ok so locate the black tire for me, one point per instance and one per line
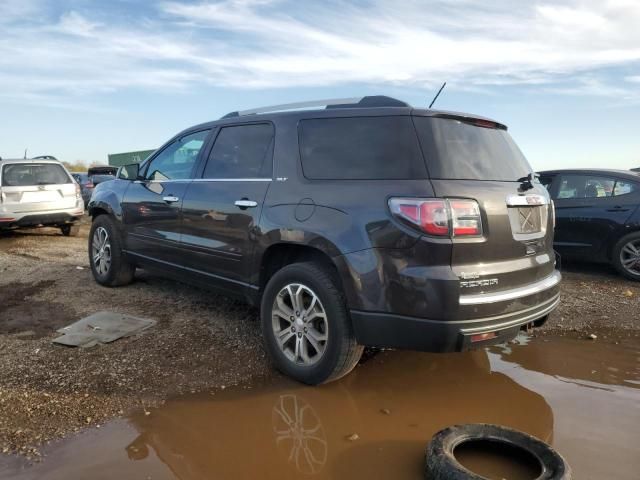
(617, 251)
(70, 230)
(120, 271)
(341, 352)
(441, 464)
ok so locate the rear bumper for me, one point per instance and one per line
(62, 217)
(413, 333)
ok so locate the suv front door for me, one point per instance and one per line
(152, 206)
(221, 209)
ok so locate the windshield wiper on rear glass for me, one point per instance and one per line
(527, 182)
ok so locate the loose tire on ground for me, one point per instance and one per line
(120, 271)
(441, 464)
(630, 241)
(341, 352)
(70, 230)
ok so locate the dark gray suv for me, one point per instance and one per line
(364, 223)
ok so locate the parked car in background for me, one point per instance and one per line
(39, 192)
(341, 229)
(94, 176)
(597, 216)
(86, 185)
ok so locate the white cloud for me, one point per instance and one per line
(267, 43)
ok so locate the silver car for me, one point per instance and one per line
(39, 192)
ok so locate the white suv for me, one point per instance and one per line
(39, 192)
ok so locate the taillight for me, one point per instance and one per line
(89, 185)
(465, 218)
(553, 214)
(78, 192)
(440, 216)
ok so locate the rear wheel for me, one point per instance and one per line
(626, 256)
(70, 230)
(306, 326)
(108, 263)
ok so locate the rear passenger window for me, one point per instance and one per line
(622, 188)
(361, 148)
(585, 186)
(243, 151)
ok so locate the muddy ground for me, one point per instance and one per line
(202, 342)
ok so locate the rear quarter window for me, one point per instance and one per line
(29, 174)
(360, 148)
(462, 151)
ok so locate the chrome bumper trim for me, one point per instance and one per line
(552, 304)
(505, 295)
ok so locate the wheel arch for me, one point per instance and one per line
(280, 254)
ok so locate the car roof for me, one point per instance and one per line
(595, 171)
(366, 107)
(6, 161)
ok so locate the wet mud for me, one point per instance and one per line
(27, 317)
(582, 397)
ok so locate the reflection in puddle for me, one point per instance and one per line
(299, 434)
(582, 397)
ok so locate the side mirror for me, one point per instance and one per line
(129, 172)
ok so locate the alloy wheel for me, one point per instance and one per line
(299, 323)
(101, 251)
(630, 257)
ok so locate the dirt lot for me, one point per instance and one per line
(201, 342)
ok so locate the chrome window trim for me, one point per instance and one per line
(505, 295)
(184, 180)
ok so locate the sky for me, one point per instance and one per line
(80, 79)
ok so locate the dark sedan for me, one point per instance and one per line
(597, 216)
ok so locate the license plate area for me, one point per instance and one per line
(39, 197)
(528, 222)
(528, 219)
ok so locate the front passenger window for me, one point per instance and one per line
(177, 160)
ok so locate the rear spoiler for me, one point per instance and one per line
(478, 122)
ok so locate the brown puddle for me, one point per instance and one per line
(582, 397)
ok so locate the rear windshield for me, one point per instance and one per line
(102, 178)
(360, 148)
(29, 174)
(459, 150)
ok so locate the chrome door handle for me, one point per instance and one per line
(244, 203)
(170, 199)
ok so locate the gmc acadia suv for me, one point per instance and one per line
(366, 222)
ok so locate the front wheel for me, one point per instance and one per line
(306, 327)
(108, 263)
(626, 256)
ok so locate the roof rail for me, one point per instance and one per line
(370, 101)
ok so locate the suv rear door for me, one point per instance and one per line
(222, 207)
(37, 187)
(152, 206)
(477, 159)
